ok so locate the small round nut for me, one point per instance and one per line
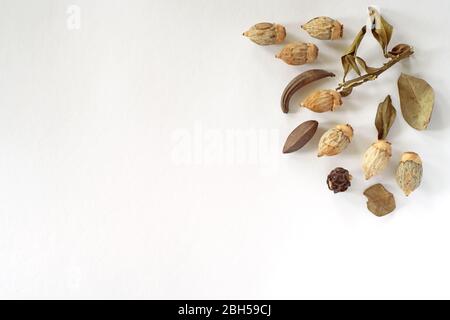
(339, 180)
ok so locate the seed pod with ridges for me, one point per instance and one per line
(266, 33)
(324, 28)
(322, 101)
(335, 140)
(376, 158)
(298, 53)
(409, 172)
(339, 180)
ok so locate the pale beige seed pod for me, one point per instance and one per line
(409, 172)
(298, 53)
(266, 33)
(335, 140)
(324, 28)
(322, 101)
(376, 158)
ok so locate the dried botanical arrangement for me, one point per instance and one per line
(416, 102)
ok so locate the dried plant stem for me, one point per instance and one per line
(346, 87)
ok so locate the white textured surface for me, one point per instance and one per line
(98, 195)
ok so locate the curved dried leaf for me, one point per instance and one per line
(381, 29)
(385, 118)
(416, 101)
(364, 65)
(380, 201)
(349, 58)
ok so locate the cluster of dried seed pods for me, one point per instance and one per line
(416, 99)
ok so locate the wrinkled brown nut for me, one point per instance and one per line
(339, 180)
(266, 33)
(322, 101)
(298, 53)
(324, 28)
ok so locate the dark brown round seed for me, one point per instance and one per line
(339, 180)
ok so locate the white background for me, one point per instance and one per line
(141, 156)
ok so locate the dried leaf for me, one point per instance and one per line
(380, 201)
(400, 49)
(349, 58)
(416, 101)
(385, 118)
(381, 29)
(364, 65)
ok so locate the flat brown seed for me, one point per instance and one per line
(380, 201)
(300, 136)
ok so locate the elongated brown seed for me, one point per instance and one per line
(299, 82)
(300, 136)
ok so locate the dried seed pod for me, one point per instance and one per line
(335, 140)
(300, 136)
(409, 172)
(324, 28)
(339, 180)
(376, 158)
(322, 101)
(266, 33)
(299, 82)
(298, 53)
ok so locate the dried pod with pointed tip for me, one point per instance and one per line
(300, 136)
(376, 158)
(335, 140)
(298, 53)
(322, 101)
(324, 28)
(409, 172)
(266, 33)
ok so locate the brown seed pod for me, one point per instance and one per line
(376, 158)
(266, 33)
(299, 82)
(409, 172)
(322, 101)
(298, 53)
(324, 28)
(335, 140)
(300, 136)
(339, 180)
